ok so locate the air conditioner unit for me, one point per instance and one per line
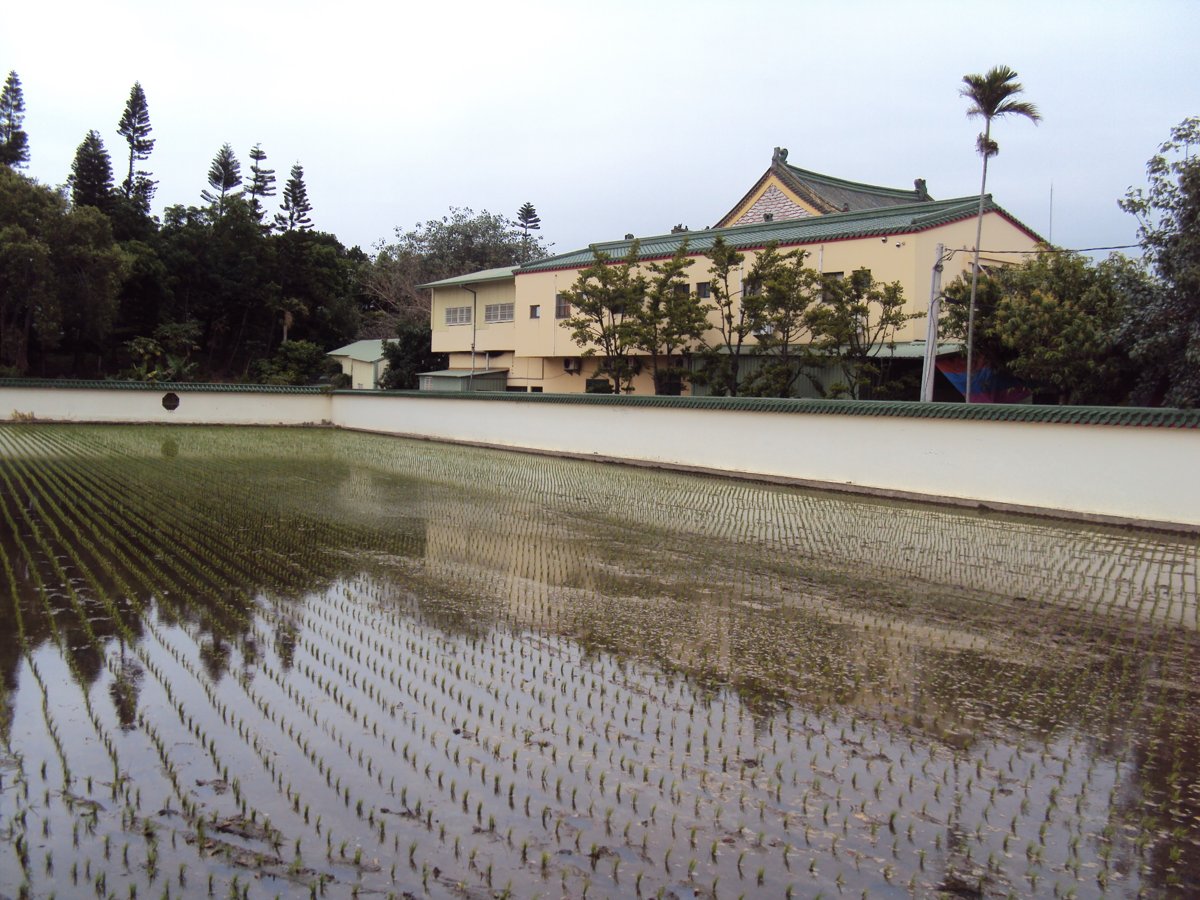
(572, 364)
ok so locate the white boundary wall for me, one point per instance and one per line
(1139, 473)
(139, 405)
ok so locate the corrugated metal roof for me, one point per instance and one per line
(499, 274)
(903, 219)
(464, 373)
(363, 351)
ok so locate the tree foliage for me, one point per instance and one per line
(1163, 327)
(1055, 323)
(60, 272)
(293, 214)
(735, 320)
(527, 220)
(91, 178)
(992, 96)
(463, 241)
(671, 321)
(606, 304)
(785, 290)
(262, 181)
(14, 142)
(224, 175)
(408, 355)
(135, 127)
(854, 320)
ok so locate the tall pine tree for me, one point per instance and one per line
(262, 181)
(135, 128)
(528, 220)
(224, 175)
(14, 142)
(295, 207)
(91, 178)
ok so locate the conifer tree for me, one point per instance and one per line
(135, 128)
(295, 207)
(527, 220)
(262, 181)
(14, 142)
(224, 175)
(91, 178)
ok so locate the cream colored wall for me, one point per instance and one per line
(907, 259)
(1130, 472)
(489, 337)
(362, 374)
(196, 407)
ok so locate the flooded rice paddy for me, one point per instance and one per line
(242, 662)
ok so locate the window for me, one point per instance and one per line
(681, 291)
(703, 290)
(498, 312)
(562, 307)
(830, 277)
(535, 311)
(458, 315)
(751, 287)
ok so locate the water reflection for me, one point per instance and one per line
(963, 639)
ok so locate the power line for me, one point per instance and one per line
(950, 253)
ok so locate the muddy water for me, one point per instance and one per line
(293, 662)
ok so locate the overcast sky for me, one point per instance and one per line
(612, 117)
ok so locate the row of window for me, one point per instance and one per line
(504, 312)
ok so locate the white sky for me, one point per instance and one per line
(611, 117)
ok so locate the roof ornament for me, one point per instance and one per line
(779, 156)
(922, 191)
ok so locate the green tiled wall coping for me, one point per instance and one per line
(1063, 415)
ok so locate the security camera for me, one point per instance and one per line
(883, 239)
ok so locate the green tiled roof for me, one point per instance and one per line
(499, 274)
(177, 386)
(837, 192)
(902, 409)
(904, 219)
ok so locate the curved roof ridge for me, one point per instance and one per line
(810, 175)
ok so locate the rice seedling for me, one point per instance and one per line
(304, 662)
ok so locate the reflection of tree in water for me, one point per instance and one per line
(125, 688)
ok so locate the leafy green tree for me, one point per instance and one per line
(295, 207)
(992, 96)
(262, 181)
(295, 362)
(455, 244)
(735, 320)
(14, 142)
(91, 178)
(606, 301)
(135, 127)
(224, 175)
(1162, 328)
(671, 321)
(59, 273)
(167, 355)
(786, 291)
(408, 355)
(527, 220)
(854, 320)
(1055, 322)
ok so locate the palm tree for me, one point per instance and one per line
(991, 96)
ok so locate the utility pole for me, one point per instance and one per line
(929, 370)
